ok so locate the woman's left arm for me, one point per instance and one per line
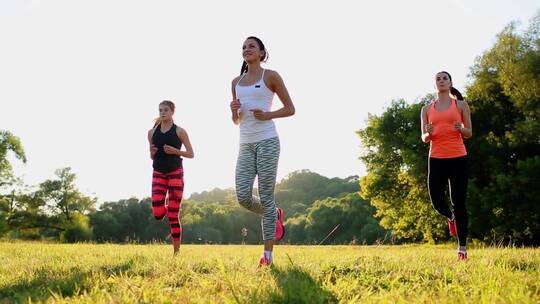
(466, 129)
(188, 153)
(276, 85)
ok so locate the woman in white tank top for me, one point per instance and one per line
(259, 150)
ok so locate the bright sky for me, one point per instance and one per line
(80, 81)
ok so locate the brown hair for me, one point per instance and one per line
(167, 103)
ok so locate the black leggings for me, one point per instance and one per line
(452, 172)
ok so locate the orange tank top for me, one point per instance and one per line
(446, 141)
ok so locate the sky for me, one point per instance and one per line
(80, 81)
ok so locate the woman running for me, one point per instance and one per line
(445, 122)
(166, 141)
(258, 155)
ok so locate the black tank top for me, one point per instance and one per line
(164, 162)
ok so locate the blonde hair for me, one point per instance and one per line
(167, 103)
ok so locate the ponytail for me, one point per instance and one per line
(244, 68)
(456, 93)
(157, 122)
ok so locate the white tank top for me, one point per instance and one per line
(255, 96)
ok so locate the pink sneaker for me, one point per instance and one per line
(452, 227)
(264, 262)
(462, 255)
(280, 229)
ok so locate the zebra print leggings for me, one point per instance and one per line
(259, 159)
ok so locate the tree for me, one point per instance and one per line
(298, 190)
(56, 209)
(353, 214)
(396, 166)
(128, 220)
(61, 196)
(505, 104)
(215, 195)
(9, 142)
(77, 230)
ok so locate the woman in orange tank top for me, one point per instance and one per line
(445, 123)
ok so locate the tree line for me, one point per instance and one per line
(313, 204)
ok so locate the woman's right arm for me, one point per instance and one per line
(153, 148)
(235, 103)
(425, 126)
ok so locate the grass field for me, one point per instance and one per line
(88, 273)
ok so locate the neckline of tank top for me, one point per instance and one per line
(250, 85)
(159, 129)
(453, 101)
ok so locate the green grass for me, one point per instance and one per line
(88, 273)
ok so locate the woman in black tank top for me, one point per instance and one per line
(166, 141)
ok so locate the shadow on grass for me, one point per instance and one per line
(297, 286)
(45, 282)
